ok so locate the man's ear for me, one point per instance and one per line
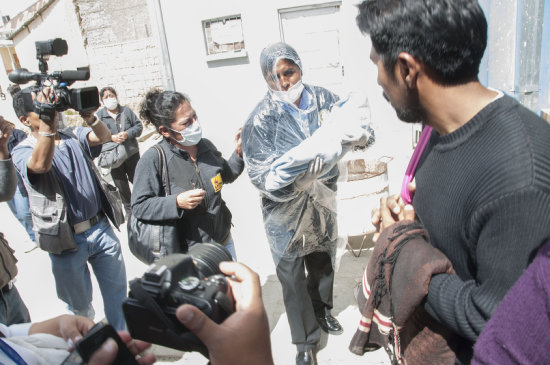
(25, 121)
(409, 69)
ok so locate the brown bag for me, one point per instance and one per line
(8, 270)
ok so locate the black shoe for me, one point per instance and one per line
(329, 324)
(305, 358)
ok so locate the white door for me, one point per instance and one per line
(315, 34)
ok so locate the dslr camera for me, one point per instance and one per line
(82, 100)
(176, 279)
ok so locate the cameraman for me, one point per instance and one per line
(69, 208)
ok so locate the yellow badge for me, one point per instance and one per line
(217, 182)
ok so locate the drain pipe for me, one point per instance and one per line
(155, 12)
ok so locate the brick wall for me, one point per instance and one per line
(121, 48)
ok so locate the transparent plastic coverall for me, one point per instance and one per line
(276, 139)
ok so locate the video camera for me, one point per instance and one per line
(176, 279)
(82, 100)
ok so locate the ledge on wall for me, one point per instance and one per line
(226, 55)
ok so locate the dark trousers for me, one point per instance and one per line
(121, 175)
(12, 308)
(305, 295)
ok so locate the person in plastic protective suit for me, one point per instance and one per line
(292, 161)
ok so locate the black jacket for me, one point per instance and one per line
(208, 222)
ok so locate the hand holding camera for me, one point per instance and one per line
(177, 279)
(243, 338)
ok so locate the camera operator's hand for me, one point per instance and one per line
(100, 132)
(106, 354)
(190, 199)
(5, 133)
(243, 338)
(89, 117)
(47, 96)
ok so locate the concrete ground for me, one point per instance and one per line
(36, 284)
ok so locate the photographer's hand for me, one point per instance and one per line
(243, 338)
(190, 199)
(106, 354)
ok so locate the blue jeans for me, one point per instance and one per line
(100, 247)
(230, 246)
(19, 206)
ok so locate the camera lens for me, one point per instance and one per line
(207, 257)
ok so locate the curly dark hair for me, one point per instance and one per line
(159, 107)
(449, 36)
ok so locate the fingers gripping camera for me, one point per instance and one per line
(177, 279)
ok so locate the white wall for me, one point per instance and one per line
(224, 92)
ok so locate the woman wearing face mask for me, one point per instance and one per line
(125, 127)
(197, 174)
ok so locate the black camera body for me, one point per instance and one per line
(194, 278)
(83, 100)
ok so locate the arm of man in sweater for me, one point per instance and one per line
(503, 237)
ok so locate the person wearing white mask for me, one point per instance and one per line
(300, 217)
(125, 127)
(196, 169)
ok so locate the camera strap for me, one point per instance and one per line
(144, 298)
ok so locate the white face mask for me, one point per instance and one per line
(110, 103)
(293, 93)
(190, 135)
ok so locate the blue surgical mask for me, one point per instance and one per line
(190, 135)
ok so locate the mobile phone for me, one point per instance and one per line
(95, 338)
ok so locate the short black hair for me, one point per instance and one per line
(159, 107)
(449, 36)
(19, 105)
